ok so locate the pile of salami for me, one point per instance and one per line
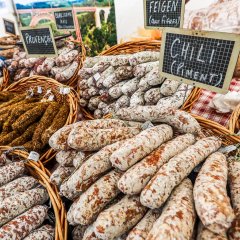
(29, 120)
(130, 179)
(61, 68)
(108, 83)
(22, 212)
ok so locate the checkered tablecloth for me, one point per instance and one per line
(203, 109)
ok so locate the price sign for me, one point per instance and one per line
(9, 26)
(64, 20)
(164, 13)
(39, 42)
(203, 59)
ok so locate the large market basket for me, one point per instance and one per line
(38, 171)
(5, 79)
(32, 83)
(72, 82)
(139, 46)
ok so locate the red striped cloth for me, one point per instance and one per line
(202, 108)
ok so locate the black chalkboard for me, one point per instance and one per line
(164, 13)
(39, 41)
(204, 59)
(64, 19)
(9, 26)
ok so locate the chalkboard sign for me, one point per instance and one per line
(203, 59)
(39, 42)
(164, 13)
(64, 20)
(9, 26)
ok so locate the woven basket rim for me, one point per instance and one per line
(43, 176)
(71, 99)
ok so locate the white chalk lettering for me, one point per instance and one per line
(172, 67)
(38, 39)
(220, 80)
(199, 54)
(177, 40)
(185, 50)
(163, 6)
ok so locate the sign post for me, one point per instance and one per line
(9, 26)
(162, 13)
(38, 42)
(203, 59)
(64, 20)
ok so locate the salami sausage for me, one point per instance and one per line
(124, 72)
(60, 174)
(136, 178)
(93, 201)
(58, 140)
(210, 186)
(178, 119)
(152, 96)
(130, 87)
(93, 103)
(205, 234)
(101, 78)
(234, 183)
(137, 99)
(140, 146)
(22, 225)
(144, 68)
(13, 206)
(143, 57)
(10, 172)
(67, 73)
(79, 159)
(120, 60)
(116, 91)
(88, 139)
(141, 230)
(154, 77)
(90, 234)
(18, 185)
(119, 218)
(169, 87)
(178, 216)
(93, 167)
(78, 232)
(175, 170)
(45, 232)
(91, 61)
(123, 101)
(65, 158)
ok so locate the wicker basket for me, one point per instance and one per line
(25, 84)
(37, 170)
(5, 79)
(134, 47)
(72, 82)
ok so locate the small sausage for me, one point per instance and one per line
(130, 87)
(137, 99)
(101, 78)
(88, 139)
(178, 216)
(136, 178)
(124, 72)
(58, 140)
(60, 174)
(18, 185)
(22, 225)
(79, 159)
(154, 77)
(141, 230)
(120, 60)
(116, 91)
(65, 158)
(78, 232)
(10, 172)
(234, 183)
(140, 146)
(152, 96)
(205, 234)
(90, 234)
(92, 168)
(45, 232)
(119, 218)
(94, 102)
(13, 206)
(178, 119)
(143, 57)
(210, 186)
(93, 201)
(122, 102)
(175, 170)
(144, 68)
(169, 87)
